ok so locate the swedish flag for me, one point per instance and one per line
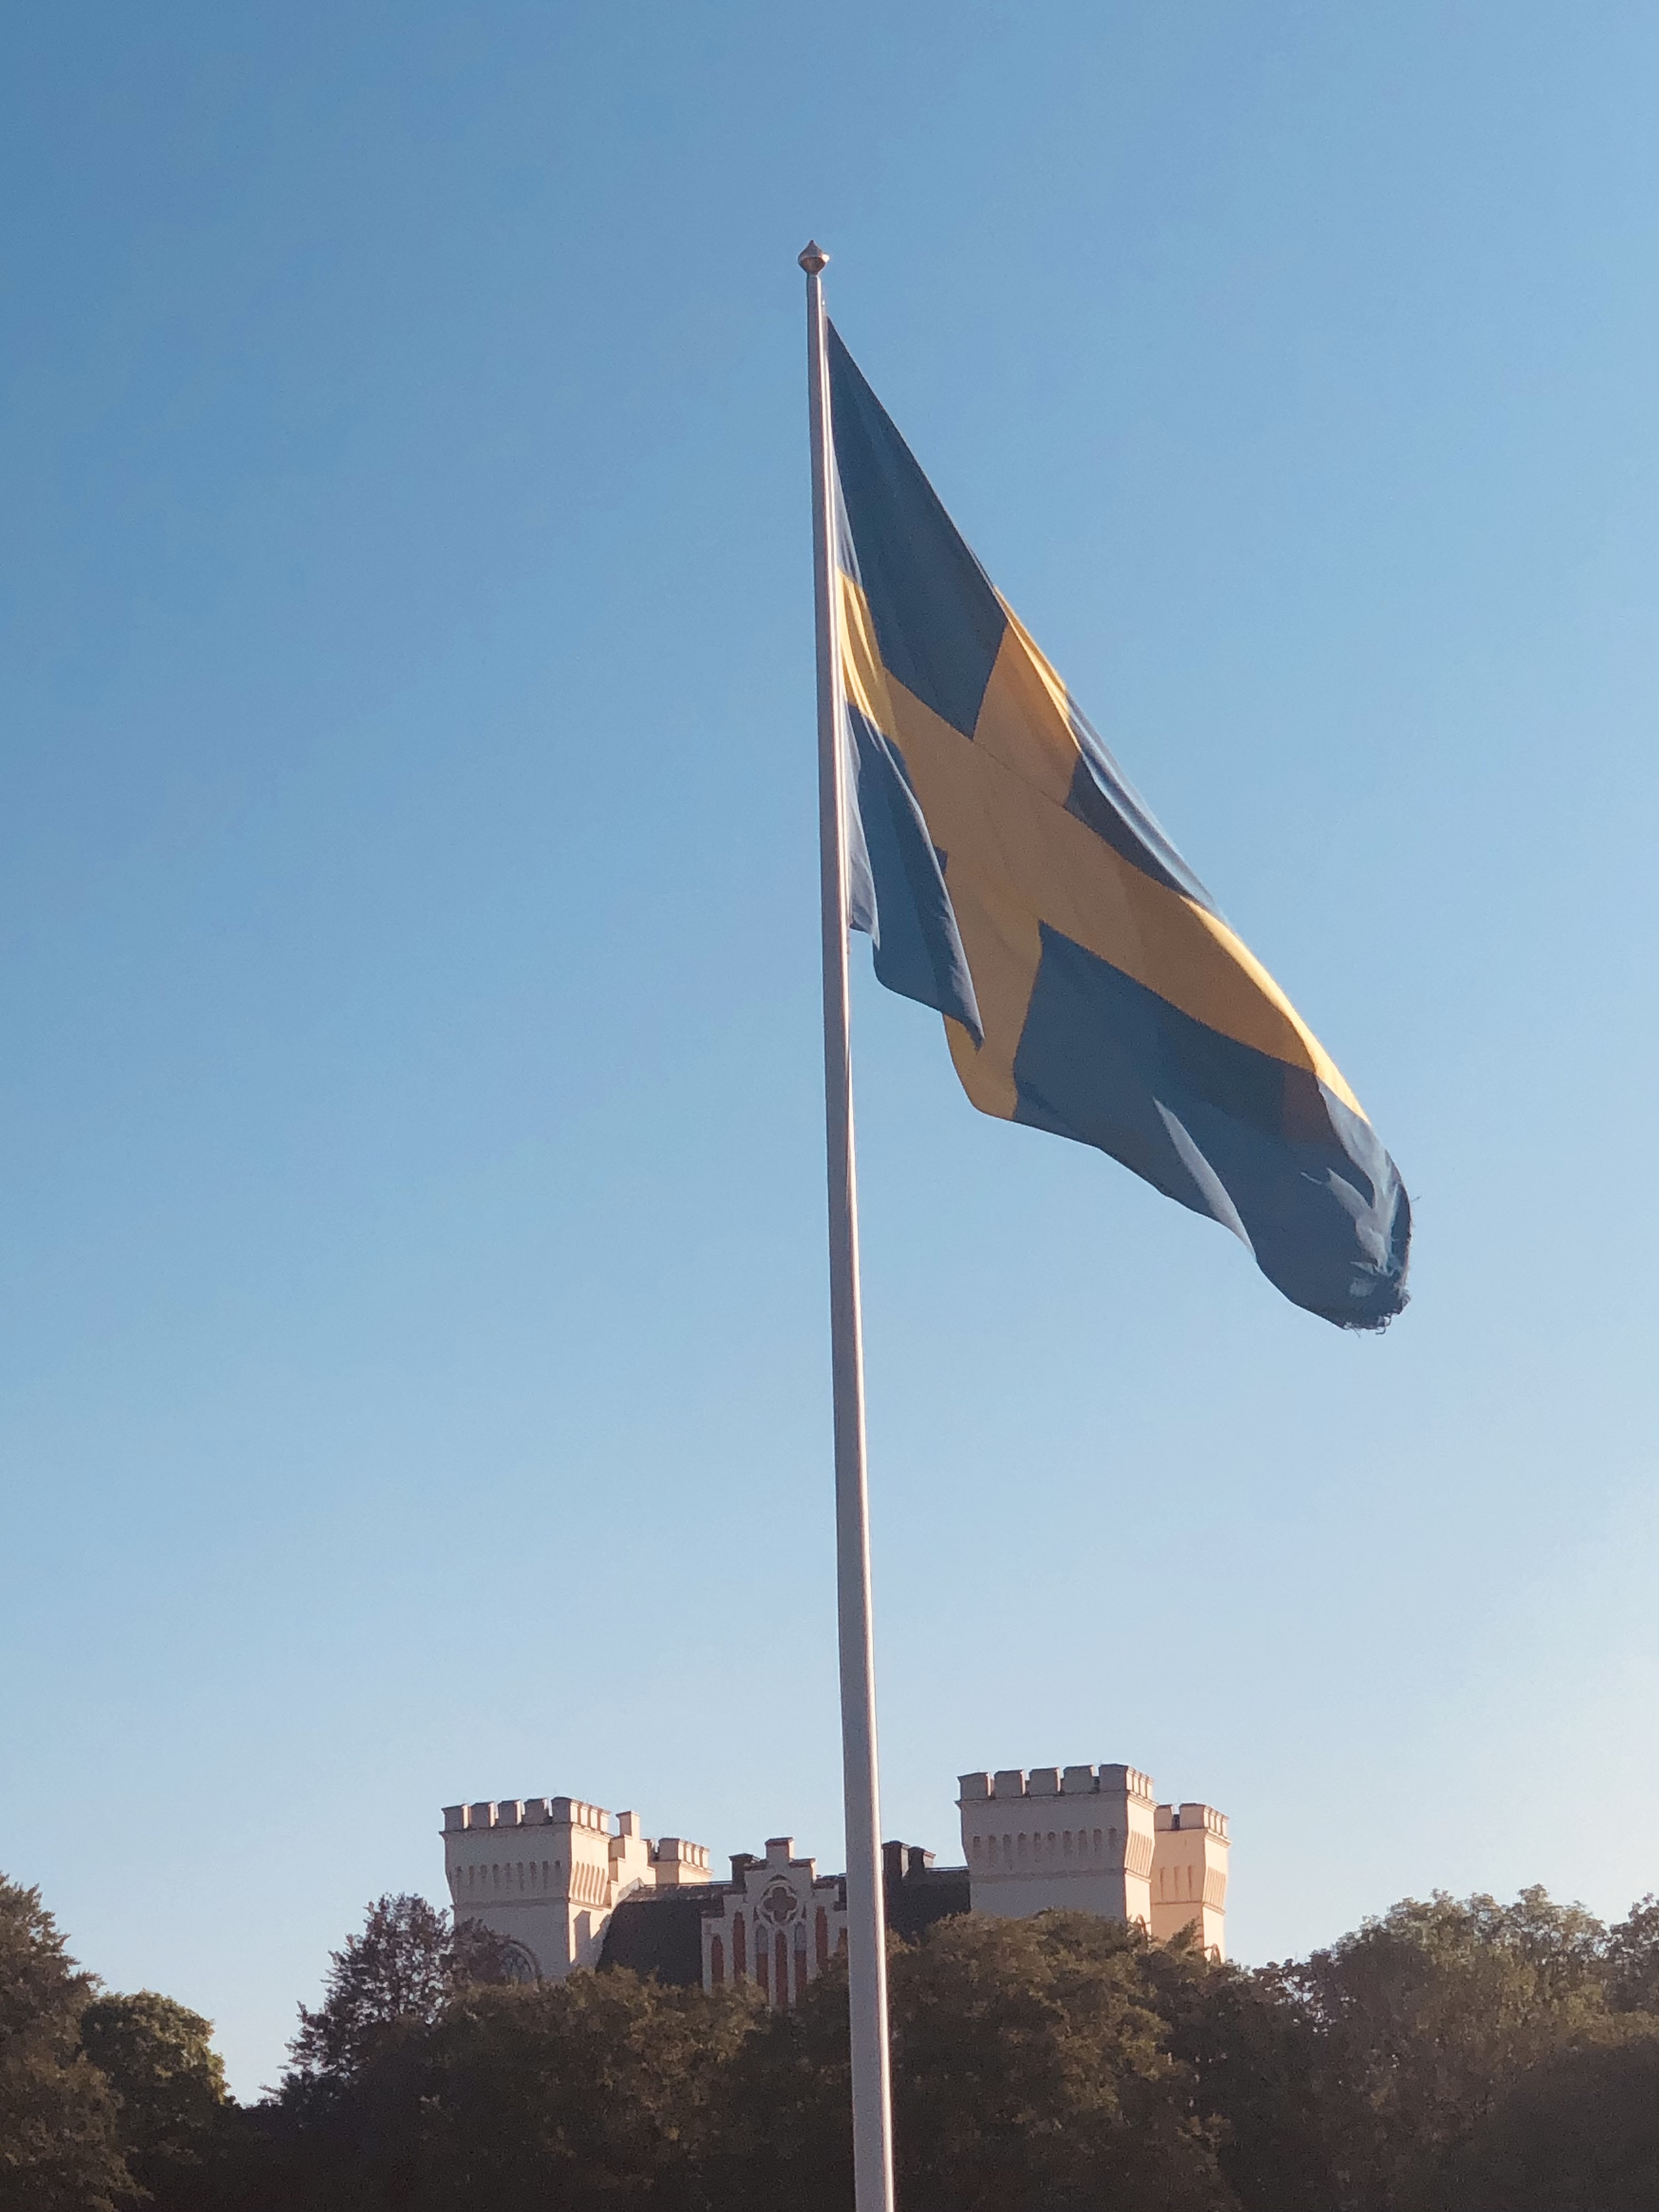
(1011, 878)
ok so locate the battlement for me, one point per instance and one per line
(1091, 1839)
(1172, 1818)
(1017, 1782)
(677, 1865)
(674, 1851)
(534, 1813)
(546, 1873)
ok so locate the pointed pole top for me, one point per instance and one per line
(812, 257)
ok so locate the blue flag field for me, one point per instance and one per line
(1010, 877)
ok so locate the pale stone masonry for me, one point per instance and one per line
(547, 1874)
(1093, 1840)
(567, 1884)
(1189, 1875)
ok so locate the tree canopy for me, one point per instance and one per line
(1448, 2055)
(59, 2147)
(169, 2082)
(409, 1962)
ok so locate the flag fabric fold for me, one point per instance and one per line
(1011, 878)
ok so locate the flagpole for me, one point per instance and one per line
(866, 1919)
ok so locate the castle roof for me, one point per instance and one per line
(659, 1932)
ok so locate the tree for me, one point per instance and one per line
(1430, 2016)
(1031, 2069)
(1034, 2070)
(593, 2095)
(1257, 2058)
(159, 2059)
(783, 2134)
(1630, 1959)
(1579, 2132)
(405, 1967)
(58, 2146)
(1449, 2056)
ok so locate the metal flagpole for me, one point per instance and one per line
(866, 1919)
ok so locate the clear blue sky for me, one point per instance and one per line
(412, 1318)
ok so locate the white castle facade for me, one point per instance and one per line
(567, 1884)
(1094, 1840)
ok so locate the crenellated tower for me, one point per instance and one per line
(1092, 1839)
(1189, 1874)
(547, 1873)
(1074, 1838)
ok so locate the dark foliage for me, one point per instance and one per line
(1427, 2019)
(400, 1973)
(1578, 2132)
(59, 2148)
(169, 2083)
(1449, 2056)
(604, 2090)
(1035, 2073)
(1254, 2056)
(1630, 1959)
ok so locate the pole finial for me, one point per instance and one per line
(813, 257)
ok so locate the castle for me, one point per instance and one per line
(567, 1884)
